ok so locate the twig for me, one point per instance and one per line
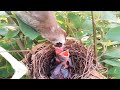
(94, 35)
(16, 51)
(20, 44)
(104, 50)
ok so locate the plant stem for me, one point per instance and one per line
(94, 35)
(16, 51)
(13, 19)
(20, 44)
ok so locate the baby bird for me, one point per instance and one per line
(60, 73)
(63, 60)
(63, 56)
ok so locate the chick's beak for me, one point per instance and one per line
(58, 50)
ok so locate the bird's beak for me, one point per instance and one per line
(65, 53)
(58, 50)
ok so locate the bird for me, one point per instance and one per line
(62, 56)
(65, 59)
(60, 72)
(58, 50)
(46, 24)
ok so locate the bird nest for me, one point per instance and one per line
(41, 60)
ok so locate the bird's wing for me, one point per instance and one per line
(29, 19)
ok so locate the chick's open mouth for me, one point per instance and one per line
(42, 64)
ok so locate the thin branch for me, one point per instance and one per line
(15, 51)
(104, 50)
(20, 44)
(94, 35)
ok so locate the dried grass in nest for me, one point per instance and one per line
(41, 60)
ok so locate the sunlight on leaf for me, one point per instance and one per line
(113, 52)
(112, 62)
(114, 72)
(109, 15)
(3, 31)
(75, 19)
(11, 34)
(113, 34)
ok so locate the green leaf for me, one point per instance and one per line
(28, 43)
(88, 42)
(113, 34)
(60, 17)
(112, 62)
(107, 57)
(113, 52)
(6, 71)
(115, 76)
(39, 38)
(11, 34)
(109, 15)
(78, 34)
(87, 25)
(3, 72)
(6, 43)
(97, 14)
(112, 25)
(3, 31)
(2, 61)
(114, 72)
(27, 30)
(75, 19)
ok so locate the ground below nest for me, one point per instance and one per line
(41, 60)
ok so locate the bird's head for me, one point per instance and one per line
(46, 24)
(56, 35)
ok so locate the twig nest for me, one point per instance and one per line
(41, 60)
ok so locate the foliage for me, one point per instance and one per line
(77, 24)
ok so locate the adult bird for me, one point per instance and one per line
(45, 23)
